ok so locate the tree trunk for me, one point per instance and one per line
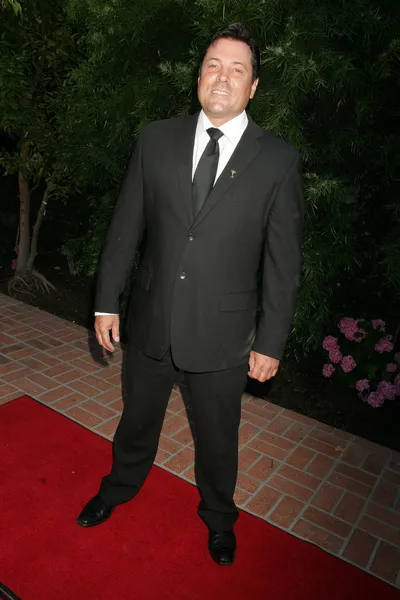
(24, 213)
(36, 229)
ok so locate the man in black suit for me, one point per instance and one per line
(221, 203)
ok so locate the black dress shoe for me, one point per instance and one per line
(222, 546)
(95, 512)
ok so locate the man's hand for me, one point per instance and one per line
(103, 324)
(262, 367)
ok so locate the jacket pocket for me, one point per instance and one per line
(239, 301)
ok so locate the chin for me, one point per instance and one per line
(217, 108)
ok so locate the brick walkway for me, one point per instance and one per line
(323, 485)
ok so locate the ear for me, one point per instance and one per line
(253, 88)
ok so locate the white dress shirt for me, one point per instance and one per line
(232, 130)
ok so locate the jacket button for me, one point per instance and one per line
(183, 275)
(191, 237)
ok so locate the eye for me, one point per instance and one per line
(237, 70)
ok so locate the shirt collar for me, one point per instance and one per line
(233, 129)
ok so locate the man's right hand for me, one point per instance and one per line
(103, 324)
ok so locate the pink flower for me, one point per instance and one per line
(328, 370)
(362, 385)
(375, 400)
(387, 390)
(397, 357)
(330, 343)
(348, 363)
(348, 326)
(348, 323)
(378, 324)
(358, 336)
(14, 264)
(391, 367)
(397, 384)
(384, 344)
(351, 335)
(335, 355)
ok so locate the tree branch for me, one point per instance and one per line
(24, 211)
(36, 229)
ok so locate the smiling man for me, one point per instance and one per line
(221, 203)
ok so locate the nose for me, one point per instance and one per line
(223, 75)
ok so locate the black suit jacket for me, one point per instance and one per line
(202, 279)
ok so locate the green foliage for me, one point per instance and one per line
(37, 52)
(16, 7)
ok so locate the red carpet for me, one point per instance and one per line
(152, 548)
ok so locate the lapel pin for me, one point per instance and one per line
(233, 173)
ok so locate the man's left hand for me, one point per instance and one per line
(262, 367)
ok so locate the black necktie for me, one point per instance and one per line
(206, 170)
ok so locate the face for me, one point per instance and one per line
(225, 84)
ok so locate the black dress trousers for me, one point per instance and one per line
(215, 401)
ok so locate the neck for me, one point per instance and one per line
(218, 121)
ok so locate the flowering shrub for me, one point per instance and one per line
(362, 355)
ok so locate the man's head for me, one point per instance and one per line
(229, 74)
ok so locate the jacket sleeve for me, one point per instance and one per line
(123, 237)
(281, 264)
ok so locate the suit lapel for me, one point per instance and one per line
(245, 152)
(184, 144)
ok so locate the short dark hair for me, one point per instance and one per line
(237, 31)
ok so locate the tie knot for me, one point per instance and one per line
(214, 133)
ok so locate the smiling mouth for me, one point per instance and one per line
(220, 93)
